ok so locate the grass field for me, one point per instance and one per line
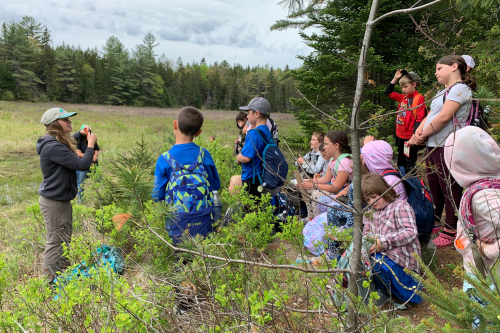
(117, 129)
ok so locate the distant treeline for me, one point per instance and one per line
(32, 69)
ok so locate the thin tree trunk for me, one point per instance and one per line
(357, 202)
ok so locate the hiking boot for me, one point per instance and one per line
(384, 297)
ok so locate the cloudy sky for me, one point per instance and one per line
(232, 30)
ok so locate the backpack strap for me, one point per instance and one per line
(262, 135)
(391, 172)
(466, 203)
(337, 162)
(414, 104)
(468, 220)
(176, 165)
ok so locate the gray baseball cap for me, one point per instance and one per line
(258, 104)
(55, 113)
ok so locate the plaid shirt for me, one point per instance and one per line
(396, 228)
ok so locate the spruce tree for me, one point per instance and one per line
(16, 51)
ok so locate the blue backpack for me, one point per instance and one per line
(275, 166)
(419, 199)
(188, 192)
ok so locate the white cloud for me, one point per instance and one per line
(232, 30)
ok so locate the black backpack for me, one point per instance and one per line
(275, 166)
(419, 199)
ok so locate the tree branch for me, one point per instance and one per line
(424, 33)
(403, 11)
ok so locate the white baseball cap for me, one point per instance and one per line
(469, 61)
(55, 113)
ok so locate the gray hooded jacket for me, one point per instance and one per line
(58, 164)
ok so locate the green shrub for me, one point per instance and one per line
(7, 95)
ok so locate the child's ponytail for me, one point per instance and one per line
(469, 80)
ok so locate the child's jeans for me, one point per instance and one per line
(389, 276)
(80, 177)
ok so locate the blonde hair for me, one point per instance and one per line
(56, 130)
(375, 184)
(406, 80)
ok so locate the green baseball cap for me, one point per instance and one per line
(53, 114)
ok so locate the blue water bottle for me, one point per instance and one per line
(217, 207)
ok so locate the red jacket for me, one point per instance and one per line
(405, 120)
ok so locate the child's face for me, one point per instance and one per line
(444, 72)
(331, 148)
(409, 88)
(323, 154)
(241, 123)
(252, 117)
(314, 143)
(379, 204)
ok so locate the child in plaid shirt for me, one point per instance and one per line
(394, 226)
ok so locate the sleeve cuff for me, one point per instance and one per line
(492, 251)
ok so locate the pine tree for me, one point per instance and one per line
(144, 70)
(16, 50)
(67, 73)
(123, 87)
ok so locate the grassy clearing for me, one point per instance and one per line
(118, 129)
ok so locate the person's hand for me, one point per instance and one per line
(92, 139)
(307, 184)
(94, 159)
(300, 160)
(236, 141)
(368, 138)
(377, 247)
(317, 175)
(481, 243)
(413, 140)
(419, 136)
(85, 130)
(398, 74)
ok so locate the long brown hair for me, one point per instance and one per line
(467, 78)
(62, 136)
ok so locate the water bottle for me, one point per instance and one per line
(217, 206)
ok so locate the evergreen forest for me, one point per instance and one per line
(32, 68)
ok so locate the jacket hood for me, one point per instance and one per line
(42, 141)
(471, 154)
(377, 156)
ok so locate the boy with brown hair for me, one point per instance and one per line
(407, 121)
(185, 177)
